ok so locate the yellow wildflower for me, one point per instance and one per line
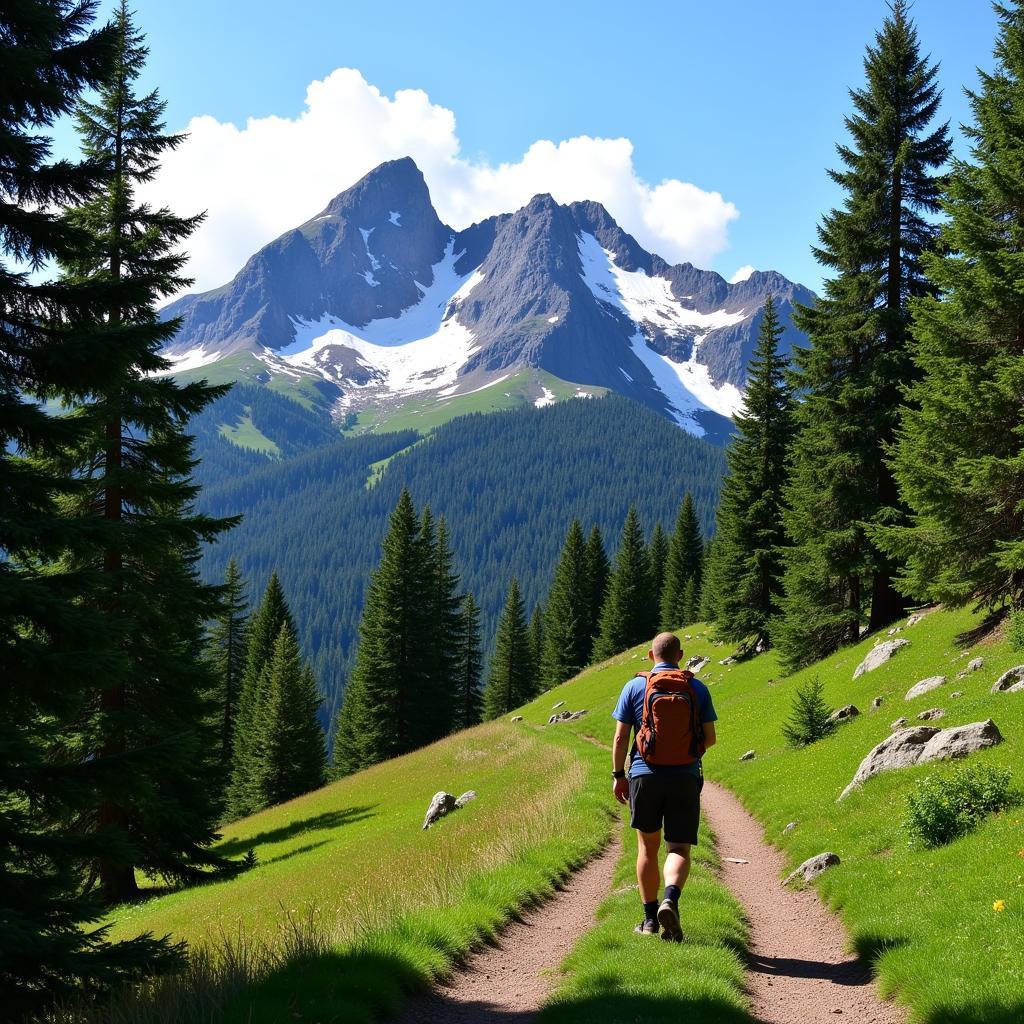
(999, 905)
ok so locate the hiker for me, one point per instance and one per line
(673, 719)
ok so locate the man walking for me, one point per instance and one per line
(672, 717)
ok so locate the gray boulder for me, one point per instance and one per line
(748, 756)
(517, 718)
(789, 828)
(917, 617)
(697, 662)
(468, 797)
(566, 716)
(974, 664)
(443, 803)
(813, 867)
(1011, 681)
(879, 655)
(922, 744)
(877, 703)
(560, 704)
(844, 714)
(925, 686)
(955, 694)
(930, 715)
(898, 724)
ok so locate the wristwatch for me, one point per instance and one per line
(620, 774)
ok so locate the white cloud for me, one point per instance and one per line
(258, 181)
(742, 274)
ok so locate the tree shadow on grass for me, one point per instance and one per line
(316, 823)
(980, 1013)
(869, 946)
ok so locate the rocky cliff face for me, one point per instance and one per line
(376, 296)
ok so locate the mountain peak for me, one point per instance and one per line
(390, 186)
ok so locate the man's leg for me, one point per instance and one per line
(677, 868)
(648, 874)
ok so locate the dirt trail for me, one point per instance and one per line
(799, 970)
(508, 982)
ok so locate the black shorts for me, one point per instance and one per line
(669, 802)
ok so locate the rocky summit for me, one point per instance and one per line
(376, 302)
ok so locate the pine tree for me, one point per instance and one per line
(48, 54)
(657, 550)
(958, 457)
(598, 571)
(378, 717)
(628, 615)
(750, 535)
(566, 647)
(512, 681)
(245, 794)
(810, 718)
(442, 643)
(537, 636)
(137, 459)
(852, 376)
(469, 668)
(295, 758)
(227, 647)
(680, 603)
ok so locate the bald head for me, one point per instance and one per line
(666, 648)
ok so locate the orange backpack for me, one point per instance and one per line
(671, 732)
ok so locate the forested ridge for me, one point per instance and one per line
(507, 484)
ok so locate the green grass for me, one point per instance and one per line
(246, 434)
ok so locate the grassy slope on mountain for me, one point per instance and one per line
(924, 918)
(508, 484)
(384, 907)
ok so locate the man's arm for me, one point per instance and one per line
(620, 747)
(709, 735)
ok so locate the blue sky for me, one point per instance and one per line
(741, 98)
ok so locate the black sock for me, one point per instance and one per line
(672, 893)
(651, 911)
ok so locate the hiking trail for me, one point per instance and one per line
(799, 970)
(511, 979)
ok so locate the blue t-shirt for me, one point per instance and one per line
(630, 711)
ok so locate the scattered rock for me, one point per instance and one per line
(566, 716)
(925, 686)
(930, 715)
(917, 617)
(749, 756)
(697, 662)
(877, 703)
(895, 630)
(844, 714)
(468, 797)
(517, 718)
(955, 694)
(924, 743)
(735, 860)
(898, 724)
(974, 664)
(1011, 681)
(442, 804)
(789, 828)
(814, 866)
(880, 655)
(727, 661)
(560, 704)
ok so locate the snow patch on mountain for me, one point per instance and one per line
(193, 359)
(395, 217)
(547, 398)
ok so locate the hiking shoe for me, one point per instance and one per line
(668, 918)
(646, 927)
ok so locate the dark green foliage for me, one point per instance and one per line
(537, 635)
(809, 719)
(442, 643)
(382, 706)
(135, 463)
(227, 647)
(310, 517)
(657, 552)
(245, 793)
(851, 378)
(57, 650)
(750, 536)
(295, 759)
(598, 571)
(512, 678)
(684, 568)
(949, 804)
(958, 457)
(468, 706)
(629, 614)
(567, 639)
